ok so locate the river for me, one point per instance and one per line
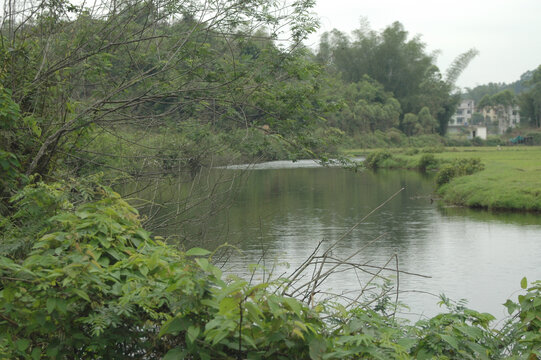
(284, 210)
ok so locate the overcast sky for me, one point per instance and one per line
(506, 32)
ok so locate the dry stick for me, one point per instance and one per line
(9, 320)
(397, 285)
(373, 277)
(337, 265)
(363, 219)
(376, 267)
(305, 264)
(311, 293)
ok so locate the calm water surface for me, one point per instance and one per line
(285, 210)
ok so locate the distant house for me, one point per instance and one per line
(495, 119)
(477, 131)
(461, 121)
(504, 117)
(463, 114)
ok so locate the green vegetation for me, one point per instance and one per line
(510, 181)
(505, 178)
(143, 90)
(94, 284)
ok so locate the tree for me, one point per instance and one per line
(428, 123)
(459, 64)
(364, 106)
(397, 62)
(530, 100)
(410, 125)
(501, 104)
(73, 70)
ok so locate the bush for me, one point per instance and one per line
(536, 137)
(374, 159)
(411, 151)
(445, 174)
(477, 141)
(459, 167)
(427, 161)
(433, 149)
(493, 140)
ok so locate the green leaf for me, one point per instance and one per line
(36, 354)
(197, 252)
(82, 294)
(317, 348)
(22, 344)
(524, 283)
(175, 354)
(192, 333)
(481, 351)
(511, 306)
(50, 305)
(175, 325)
(450, 340)
(228, 305)
(203, 264)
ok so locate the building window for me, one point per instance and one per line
(460, 111)
(459, 120)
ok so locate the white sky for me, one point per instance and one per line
(507, 33)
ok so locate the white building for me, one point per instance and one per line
(461, 121)
(463, 114)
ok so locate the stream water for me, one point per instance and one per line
(284, 210)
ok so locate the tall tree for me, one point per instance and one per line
(72, 68)
(396, 61)
(530, 100)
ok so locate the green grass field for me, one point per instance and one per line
(511, 178)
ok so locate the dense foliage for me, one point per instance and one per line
(530, 100)
(402, 68)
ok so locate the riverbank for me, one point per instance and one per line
(510, 180)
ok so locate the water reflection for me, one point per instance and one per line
(468, 254)
(285, 212)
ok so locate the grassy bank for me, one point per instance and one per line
(511, 178)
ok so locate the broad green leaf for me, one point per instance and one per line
(175, 325)
(144, 270)
(82, 294)
(511, 306)
(481, 351)
(203, 264)
(228, 305)
(50, 305)
(175, 354)
(293, 304)
(36, 354)
(253, 310)
(407, 343)
(317, 348)
(450, 340)
(22, 344)
(192, 333)
(524, 283)
(197, 252)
